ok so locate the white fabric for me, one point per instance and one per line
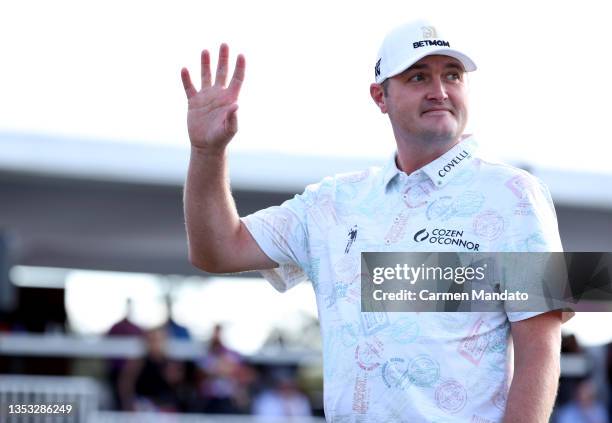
(414, 367)
(407, 44)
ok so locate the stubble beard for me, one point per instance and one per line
(430, 139)
(438, 138)
(441, 137)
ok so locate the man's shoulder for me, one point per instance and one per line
(493, 170)
(511, 183)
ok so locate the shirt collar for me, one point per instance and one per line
(442, 169)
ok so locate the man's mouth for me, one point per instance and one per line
(437, 111)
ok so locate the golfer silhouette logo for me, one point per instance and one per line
(352, 236)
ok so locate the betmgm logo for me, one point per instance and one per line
(445, 237)
(430, 36)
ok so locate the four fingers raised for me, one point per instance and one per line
(221, 75)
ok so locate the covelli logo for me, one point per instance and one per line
(377, 68)
(421, 235)
(454, 162)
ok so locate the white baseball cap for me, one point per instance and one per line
(409, 43)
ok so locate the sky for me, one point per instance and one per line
(110, 70)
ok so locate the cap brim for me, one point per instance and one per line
(468, 64)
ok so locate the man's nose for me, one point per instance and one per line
(437, 90)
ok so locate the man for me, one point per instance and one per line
(412, 367)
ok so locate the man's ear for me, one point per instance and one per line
(378, 95)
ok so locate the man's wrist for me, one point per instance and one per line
(208, 151)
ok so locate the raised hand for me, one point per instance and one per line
(211, 116)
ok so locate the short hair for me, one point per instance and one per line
(385, 87)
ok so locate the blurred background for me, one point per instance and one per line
(99, 306)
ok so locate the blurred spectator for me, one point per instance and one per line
(5, 322)
(584, 408)
(175, 330)
(609, 375)
(568, 383)
(283, 400)
(153, 382)
(224, 378)
(569, 344)
(124, 327)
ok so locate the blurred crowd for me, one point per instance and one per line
(585, 389)
(220, 382)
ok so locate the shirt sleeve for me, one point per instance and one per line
(282, 233)
(535, 229)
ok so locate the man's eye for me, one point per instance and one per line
(416, 78)
(453, 76)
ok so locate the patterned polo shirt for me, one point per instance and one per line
(400, 366)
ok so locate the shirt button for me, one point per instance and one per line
(396, 219)
(439, 182)
(387, 241)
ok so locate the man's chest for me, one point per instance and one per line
(453, 221)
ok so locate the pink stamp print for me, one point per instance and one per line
(475, 345)
(398, 230)
(417, 195)
(361, 400)
(489, 225)
(520, 186)
(368, 354)
(451, 396)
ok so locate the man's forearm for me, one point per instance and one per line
(210, 212)
(533, 389)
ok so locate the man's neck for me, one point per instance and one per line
(414, 155)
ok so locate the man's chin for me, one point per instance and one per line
(441, 136)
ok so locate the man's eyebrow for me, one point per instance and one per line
(417, 67)
(454, 66)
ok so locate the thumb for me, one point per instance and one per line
(231, 119)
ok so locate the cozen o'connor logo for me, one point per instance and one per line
(421, 235)
(445, 237)
(429, 32)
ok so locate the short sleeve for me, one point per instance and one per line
(281, 232)
(534, 229)
(533, 223)
(518, 316)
